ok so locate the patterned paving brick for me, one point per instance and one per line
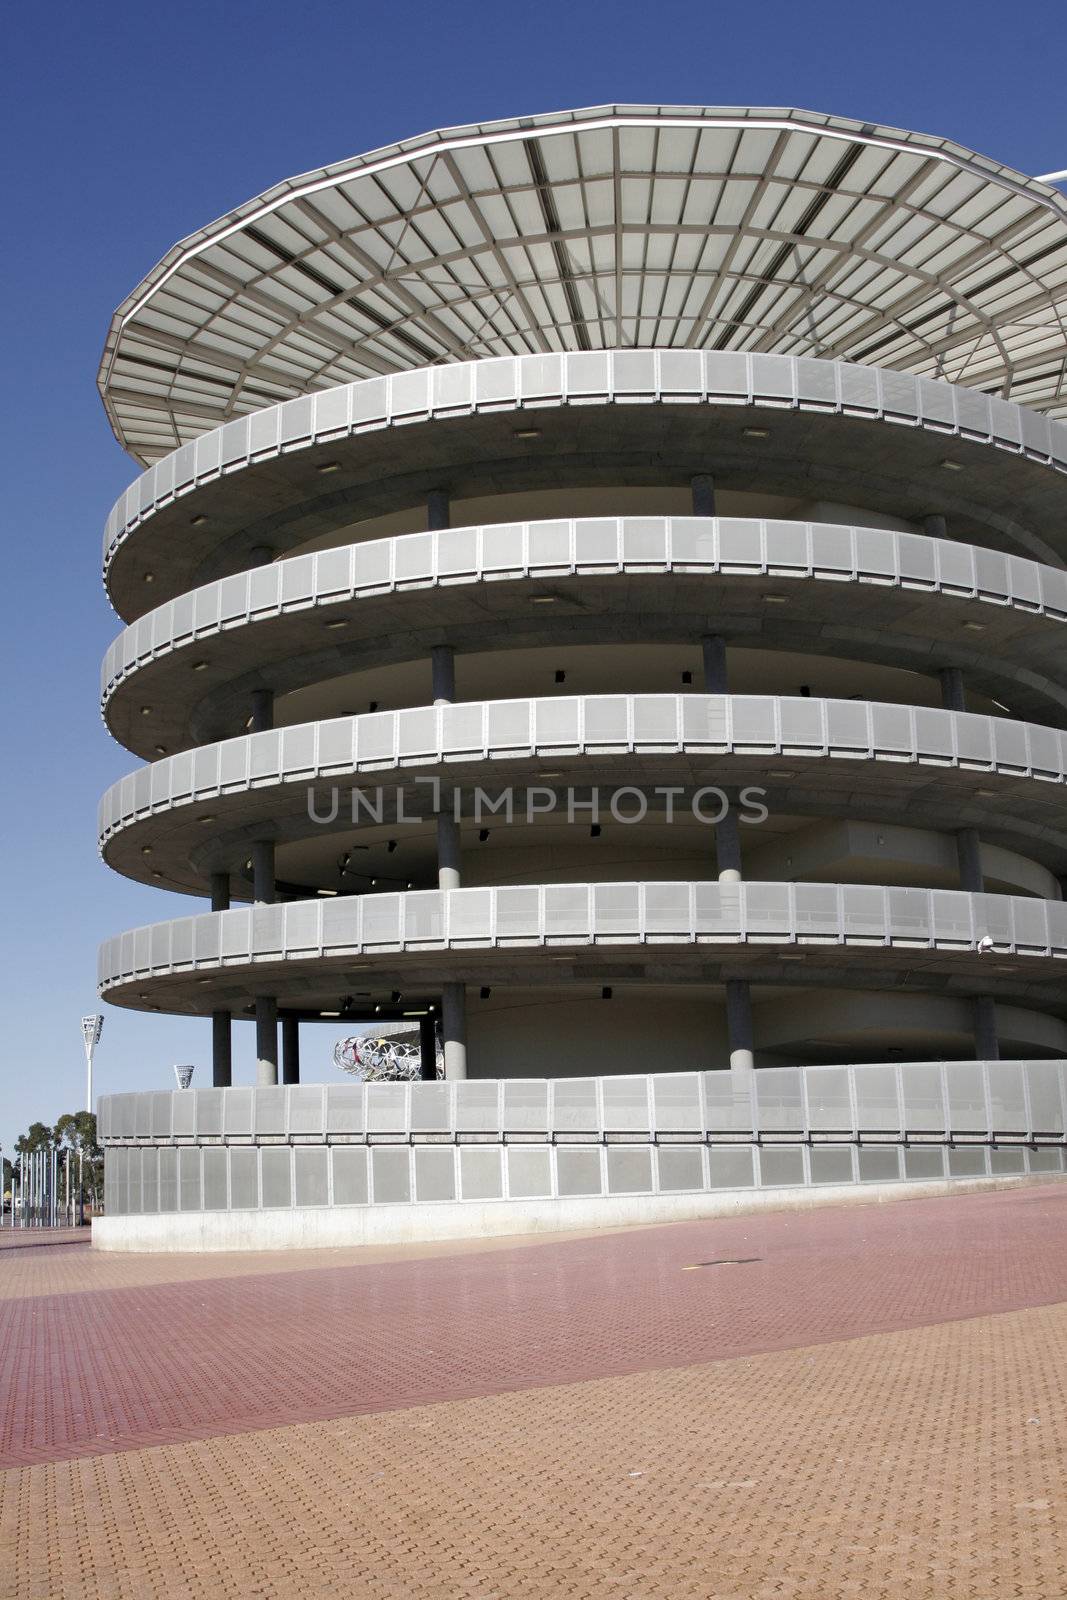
(102, 1371)
(38, 1239)
(75, 1269)
(926, 1464)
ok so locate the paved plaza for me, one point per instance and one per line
(857, 1401)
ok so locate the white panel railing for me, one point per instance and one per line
(939, 1100)
(588, 726)
(679, 913)
(735, 547)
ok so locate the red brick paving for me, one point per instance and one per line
(100, 1372)
(35, 1238)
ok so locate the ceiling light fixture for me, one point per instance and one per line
(527, 433)
(329, 466)
(756, 433)
(952, 466)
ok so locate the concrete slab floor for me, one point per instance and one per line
(863, 1400)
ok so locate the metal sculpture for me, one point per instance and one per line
(376, 1059)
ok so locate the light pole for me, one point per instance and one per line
(91, 1027)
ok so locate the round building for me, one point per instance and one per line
(597, 586)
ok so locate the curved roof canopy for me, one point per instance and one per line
(732, 229)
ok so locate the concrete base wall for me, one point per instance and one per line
(323, 1228)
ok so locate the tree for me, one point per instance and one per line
(38, 1137)
(75, 1131)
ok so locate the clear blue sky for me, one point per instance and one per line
(127, 126)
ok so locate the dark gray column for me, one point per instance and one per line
(448, 851)
(443, 674)
(220, 891)
(454, 1029)
(428, 1047)
(728, 847)
(714, 648)
(262, 710)
(968, 849)
(290, 1049)
(953, 693)
(986, 1043)
(969, 855)
(438, 510)
(261, 555)
(263, 872)
(221, 1054)
(703, 488)
(739, 1026)
(266, 1039)
(935, 526)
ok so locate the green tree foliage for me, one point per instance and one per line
(75, 1131)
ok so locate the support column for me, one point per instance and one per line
(968, 847)
(728, 847)
(443, 674)
(727, 830)
(739, 1028)
(221, 1051)
(448, 853)
(986, 1043)
(714, 648)
(262, 710)
(428, 1048)
(263, 872)
(935, 526)
(266, 1039)
(953, 693)
(290, 1048)
(261, 555)
(220, 891)
(438, 510)
(703, 488)
(969, 855)
(454, 1029)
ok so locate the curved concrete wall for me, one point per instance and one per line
(214, 1168)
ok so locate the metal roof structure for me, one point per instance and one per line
(680, 227)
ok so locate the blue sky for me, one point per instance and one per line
(126, 127)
